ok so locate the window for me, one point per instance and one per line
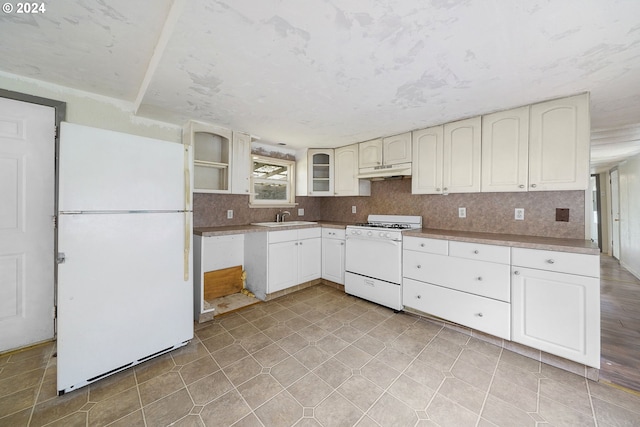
(272, 182)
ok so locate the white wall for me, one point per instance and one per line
(630, 214)
(94, 110)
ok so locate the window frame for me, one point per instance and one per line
(290, 181)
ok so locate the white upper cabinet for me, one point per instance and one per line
(428, 148)
(396, 149)
(370, 153)
(241, 163)
(346, 182)
(211, 157)
(505, 145)
(320, 174)
(461, 167)
(559, 144)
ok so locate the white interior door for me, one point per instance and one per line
(615, 214)
(27, 193)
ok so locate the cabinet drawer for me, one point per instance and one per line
(561, 262)
(283, 236)
(477, 277)
(308, 233)
(483, 314)
(479, 251)
(333, 233)
(421, 244)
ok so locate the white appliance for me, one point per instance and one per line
(373, 259)
(124, 290)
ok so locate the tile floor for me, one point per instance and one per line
(317, 358)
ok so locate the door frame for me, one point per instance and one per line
(615, 237)
(60, 112)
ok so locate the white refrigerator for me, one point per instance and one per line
(124, 282)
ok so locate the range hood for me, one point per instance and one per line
(385, 171)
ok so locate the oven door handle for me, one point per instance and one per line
(391, 241)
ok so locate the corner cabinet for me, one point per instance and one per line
(559, 142)
(211, 157)
(346, 182)
(556, 303)
(320, 174)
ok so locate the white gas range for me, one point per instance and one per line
(373, 258)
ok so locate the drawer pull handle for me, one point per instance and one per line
(517, 273)
(341, 243)
(419, 266)
(533, 185)
(422, 245)
(418, 296)
(550, 261)
(480, 315)
(479, 279)
(437, 189)
(521, 186)
(476, 252)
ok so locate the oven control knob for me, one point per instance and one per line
(381, 234)
(386, 235)
(369, 234)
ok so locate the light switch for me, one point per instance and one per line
(462, 212)
(353, 209)
(229, 214)
(301, 212)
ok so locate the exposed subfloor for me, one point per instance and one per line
(317, 357)
(620, 324)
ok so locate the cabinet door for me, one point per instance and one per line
(211, 157)
(559, 144)
(461, 167)
(396, 149)
(283, 258)
(346, 182)
(240, 163)
(428, 146)
(505, 150)
(309, 259)
(370, 153)
(333, 260)
(557, 313)
(320, 179)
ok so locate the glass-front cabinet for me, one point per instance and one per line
(211, 157)
(320, 163)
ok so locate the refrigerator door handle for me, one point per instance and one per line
(187, 208)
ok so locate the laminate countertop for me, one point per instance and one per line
(513, 240)
(248, 228)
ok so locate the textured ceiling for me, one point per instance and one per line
(328, 73)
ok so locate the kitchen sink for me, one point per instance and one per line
(282, 224)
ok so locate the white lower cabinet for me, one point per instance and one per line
(557, 309)
(333, 249)
(467, 283)
(277, 260)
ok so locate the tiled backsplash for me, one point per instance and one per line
(486, 212)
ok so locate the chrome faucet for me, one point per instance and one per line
(283, 215)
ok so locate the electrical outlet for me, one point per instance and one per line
(519, 214)
(462, 212)
(353, 209)
(301, 212)
(229, 214)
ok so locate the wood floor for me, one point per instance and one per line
(620, 319)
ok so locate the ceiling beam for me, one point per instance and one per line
(158, 51)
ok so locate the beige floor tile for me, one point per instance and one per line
(379, 373)
(394, 358)
(574, 397)
(188, 421)
(615, 395)
(521, 362)
(159, 387)
(21, 381)
(336, 410)
(329, 324)
(360, 391)
(293, 343)
(311, 357)
(232, 321)
(17, 419)
(168, 409)
(269, 321)
(209, 388)
(225, 410)
(408, 345)
(209, 330)
(333, 372)
(353, 357)
(259, 389)
(348, 333)
(479, 360)
(445, 346)
(243, 331)
(471, 375)
(559, 415)
(21, 399)
(312, 333)
(528, 380)
(288, 371)
(463, 394)
(187, 354)
(425, 374)
(454, 336)
(515, 395)
(413, 394)
(448, 413)
(249, 421)
(198, 369)
(54, 409)
(362, 324)
(281, 411)
(614, 415)
(115, 407)
(331, 344)
(153, 368)
(112, 385)
(440, 361)
(277, 332)
(310, 390)
(502, 414)
(243, 370)
(297, 323)
(256, 342)
(484, 347)
(229, 355)
(218, 342)
(77, 419)
(389, 411)
(134, 419)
